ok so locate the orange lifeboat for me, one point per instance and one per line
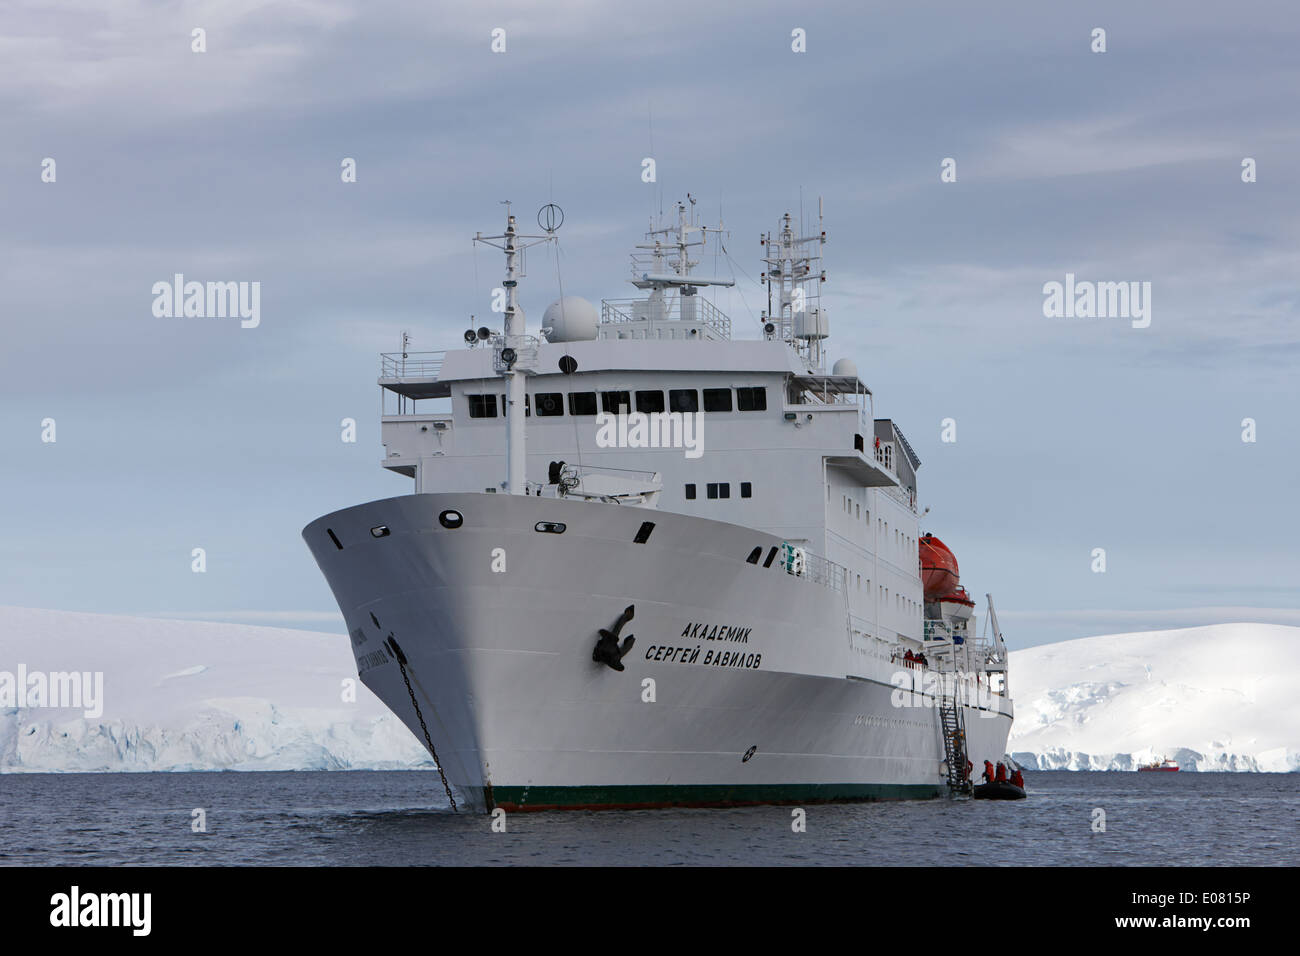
(957, 603)
(939, 574)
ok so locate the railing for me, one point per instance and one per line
(633, 473)
(885, 455)
(525, 348)
(639, 310)
(904, 496)
(812, 567)
(410, 364)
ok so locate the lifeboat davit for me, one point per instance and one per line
(939, 575)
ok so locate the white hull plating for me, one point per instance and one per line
(759, 694)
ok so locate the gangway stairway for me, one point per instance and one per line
(953, 725)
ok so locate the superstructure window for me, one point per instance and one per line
(615, 402)
(713, 489)
(751, 399)
(650, 402)
(717, 399)
(690, 492)
(582, 403)
(746, 489)
(549, 404)
(683, 400)
(505, 406)
(482, 406)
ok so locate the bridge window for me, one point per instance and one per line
(615, 402)
(505, 406)
(690, 492)
(582, 403)
(550, 404)
(683, 400)
(717, 399)
(482, 406)
(650, 402)
(751, 399)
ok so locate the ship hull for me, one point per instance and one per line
(743, 684)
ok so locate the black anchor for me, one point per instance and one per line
(607, 649)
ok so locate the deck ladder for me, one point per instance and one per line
(953, 725)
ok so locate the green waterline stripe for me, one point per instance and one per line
(703, 794)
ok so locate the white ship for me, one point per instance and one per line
(646, 564)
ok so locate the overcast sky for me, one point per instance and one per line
(1072, 434)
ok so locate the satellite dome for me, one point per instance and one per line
(845, 366)
(570, 319)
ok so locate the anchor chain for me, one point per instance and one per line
(401, 662)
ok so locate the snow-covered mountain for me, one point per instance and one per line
(186, 695)
(1221, 697)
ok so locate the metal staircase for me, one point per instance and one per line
(953, 725)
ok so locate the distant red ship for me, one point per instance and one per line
(1161, 765)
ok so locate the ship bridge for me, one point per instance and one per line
(755, 432)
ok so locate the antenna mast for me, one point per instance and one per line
(515, 353)
(793, 277)
(668, 265)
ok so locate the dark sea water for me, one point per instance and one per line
(401, 818)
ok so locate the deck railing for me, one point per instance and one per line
(636, 310)
(410, 364)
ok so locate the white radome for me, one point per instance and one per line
(571, 319)
(845, 366)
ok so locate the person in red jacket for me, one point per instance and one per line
(988, 771)
(1001, 775)
(1018, 778)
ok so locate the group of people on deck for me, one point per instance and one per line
(999, 774)
(913, 660)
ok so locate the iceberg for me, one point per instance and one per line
(1219, 697)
